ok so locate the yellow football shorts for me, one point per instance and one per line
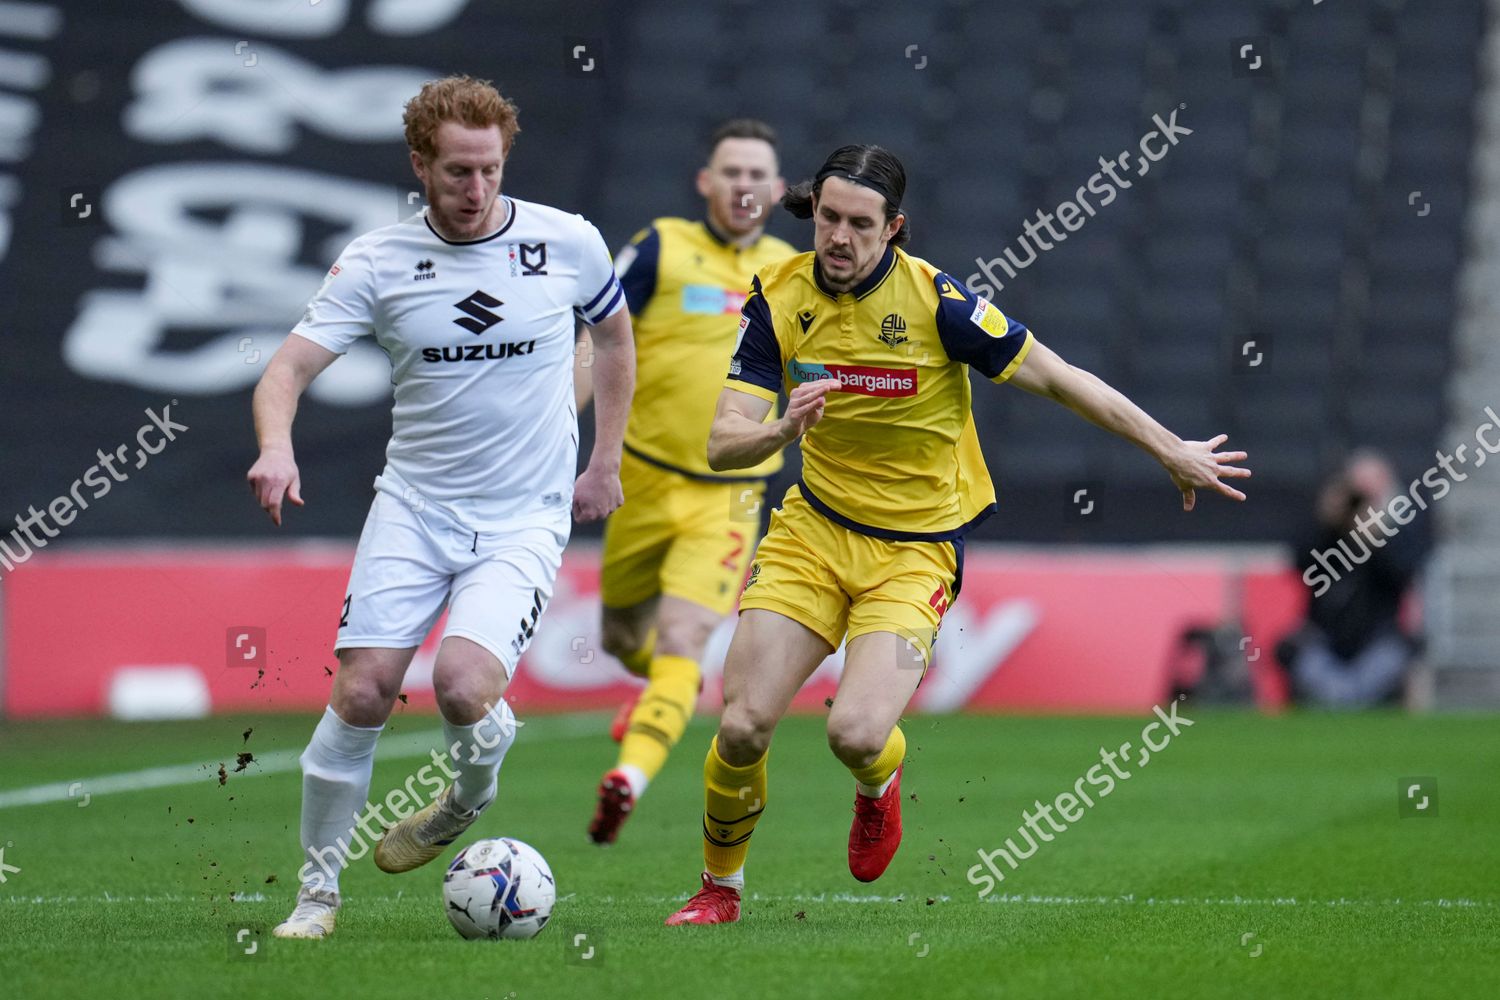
(680, 536)
(843, 584)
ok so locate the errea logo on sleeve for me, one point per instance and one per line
(990, 319)
(333, 272)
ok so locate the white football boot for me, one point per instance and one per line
(313, 916)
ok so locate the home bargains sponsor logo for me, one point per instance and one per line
(859, 378)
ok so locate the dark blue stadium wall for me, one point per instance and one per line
(1311, 219)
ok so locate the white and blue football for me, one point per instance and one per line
(499, 888)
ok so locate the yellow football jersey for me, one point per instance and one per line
(896, 454)
(685, 286)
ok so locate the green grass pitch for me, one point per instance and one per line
(1253, 857)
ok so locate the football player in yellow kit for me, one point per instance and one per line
(675, 553)
(874, 349)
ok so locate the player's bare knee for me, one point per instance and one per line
(465, 708)
(853, 740)
(363, 698)
(466, 688)
(464, 697)
(744, 735)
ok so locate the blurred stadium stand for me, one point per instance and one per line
(1283, 219)
(1318, 210)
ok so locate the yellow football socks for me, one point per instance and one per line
(661, 715)
(734, 798)
(879, 771)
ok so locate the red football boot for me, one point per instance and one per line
(622, 719)
(876, 832)
(714, 904)
(616, 801)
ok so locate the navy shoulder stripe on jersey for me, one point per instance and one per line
(974, 330)
(757, 357)
(639, 277)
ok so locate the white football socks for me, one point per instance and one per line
(336, 770)
(477, 752)
(635, 778)
(735, 881)
(874, 791)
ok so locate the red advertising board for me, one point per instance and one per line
(253, 630)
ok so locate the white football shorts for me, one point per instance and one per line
(414, 559)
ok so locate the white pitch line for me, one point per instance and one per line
(557, 727)
(839, 897)
(1280, 901)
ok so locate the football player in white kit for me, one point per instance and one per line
(474, 300)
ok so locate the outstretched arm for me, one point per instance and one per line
(597, 492)
(290, 371)
(1193, 465)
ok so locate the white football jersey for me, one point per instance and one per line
(480, 337)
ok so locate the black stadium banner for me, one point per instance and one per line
(177, 177)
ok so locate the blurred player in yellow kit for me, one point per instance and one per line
(874, 349)
(675, 553)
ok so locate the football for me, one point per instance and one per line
(499, 888)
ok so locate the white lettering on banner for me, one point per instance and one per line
(240, 275)
(412, 17)
(326, 17)
(188, 90)
(10, 195)
(307, 20)
(21, 117)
